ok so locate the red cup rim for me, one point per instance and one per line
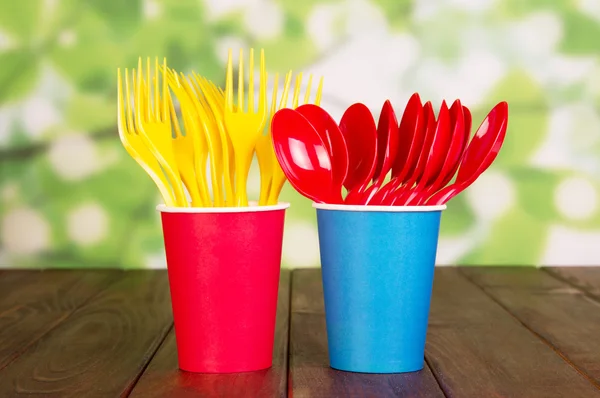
(368, 208)
(252, 208)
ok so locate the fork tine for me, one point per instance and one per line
(240, 103)
(262, 104)
(156, 91)
(297, 90)
(286, 89)
(128, 111)
(307, 94)
(139, 114)
(319, 92)
(173, 116)
(148, 83)
(229, 84)
(165, 90)
(251, 82)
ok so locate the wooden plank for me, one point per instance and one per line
(162, 378)
(586, 279)
(560, 314)
(102, 348)
(310, 374)
(34, 302)
(477, 349)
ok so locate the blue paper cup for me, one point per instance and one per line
(378, 265)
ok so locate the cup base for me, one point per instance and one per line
(224, 370)
(380, 370)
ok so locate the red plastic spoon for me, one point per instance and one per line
(410, 138)
(437, 155)
(331, 135)
(459, 137)
(359, 130)
(303, 157)
(399, 196)
(387, 149)
(479, 155)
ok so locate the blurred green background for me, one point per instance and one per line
(70, 196)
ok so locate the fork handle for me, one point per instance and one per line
(241, 178)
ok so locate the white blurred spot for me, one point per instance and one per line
(589, 7)
(301, 245)
(225, 43)
(6, 41)
(10, 192)
(450, 250)
(364, 17)
(87, 224)
(471, 79)
(492, 195)
(156, 261)
(39, 114)
(537, 35)
(576, 198)
(320, 25)
(50, 5)
(552, 153)
(474, 6)
(264, 20)
(74, 156)
(6, 120)
(563, 70)
(219, 8)
(572, 133)
(349, 70)
(567, 246)
(67, 38)
(423, 10)
(24, 231)
(151, 9)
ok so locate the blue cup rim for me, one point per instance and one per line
(369, 208)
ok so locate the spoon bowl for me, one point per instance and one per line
(332, 137)
(479, 155)
(303, 157)
(360, 132)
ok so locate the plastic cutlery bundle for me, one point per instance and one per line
(196, 140)
(423, 159)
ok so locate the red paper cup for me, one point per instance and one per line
(223, 265)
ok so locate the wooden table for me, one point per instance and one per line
(493, 332)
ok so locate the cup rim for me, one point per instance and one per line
(380, 209)
(252, 207)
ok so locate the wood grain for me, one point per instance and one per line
(34, 302)
(162, 378)
(563, 316)
(477, 349)
(310, 374)
(102, 348)
(586, 279)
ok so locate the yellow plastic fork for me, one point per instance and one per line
(217, 95)
(185, 146)
(244, 128)
(212, 99)
(133, 143)
(278, 177)
(264, 147)
(154, 124)
(205, 124)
